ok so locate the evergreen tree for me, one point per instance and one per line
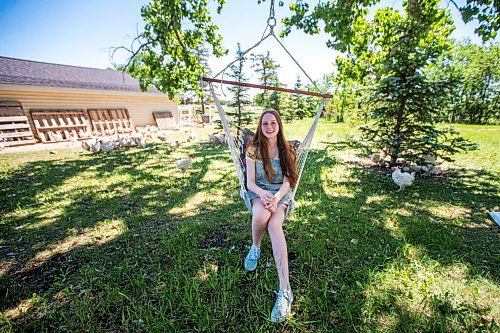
(275, 98)
(203, 94)
(286, 108)
(297, 102)
(310, 102)
(391, 52)
(266, 69)
(173, 31)
(240, 94)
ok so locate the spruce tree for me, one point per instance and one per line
(297, 101)
(267, 72)
(240, 97)
(389, 56)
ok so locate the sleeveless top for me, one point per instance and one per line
(261, 181)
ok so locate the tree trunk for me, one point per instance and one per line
(396, 143)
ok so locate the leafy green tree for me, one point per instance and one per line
(390, 53)
(472, 76)
(487, 15)
(342, 101)
(174, 30)
(173, 33)
(240, 94)
(480, 100)
(340, 18)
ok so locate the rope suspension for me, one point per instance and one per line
(235, 142)
(237, 147)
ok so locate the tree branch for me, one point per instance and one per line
(455, 4)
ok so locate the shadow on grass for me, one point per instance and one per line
(363, 227)
(175, 264)
(141, 202)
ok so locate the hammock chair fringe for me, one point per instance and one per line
(236, 149)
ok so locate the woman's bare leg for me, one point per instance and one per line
(280, 252)
(260, 217)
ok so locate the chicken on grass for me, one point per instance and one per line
(402, 179)
(184, 163)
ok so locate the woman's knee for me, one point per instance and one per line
(276, 221)
(259, 213)
(275, 225)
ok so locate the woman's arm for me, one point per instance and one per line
(263, 194)
(285, 187)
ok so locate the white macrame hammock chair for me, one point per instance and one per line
(236, 143)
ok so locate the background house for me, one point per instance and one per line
(61, 102)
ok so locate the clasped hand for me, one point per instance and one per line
(270, 201)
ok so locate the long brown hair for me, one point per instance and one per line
(287, 155)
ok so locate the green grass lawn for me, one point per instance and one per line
(125, 242)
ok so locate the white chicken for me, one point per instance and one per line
(329, 134)
(212, 139)
(402, 179)
(107, 146)
(184, 163)
(96, 146)
(192, 136)
(173, 144)
(73, 139)
(136, 137)
(142, 142)
(222, 138)
(84, 134)
(87, 144)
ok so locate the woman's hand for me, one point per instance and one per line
(267, 198)
(272, 206)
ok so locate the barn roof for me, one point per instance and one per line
(35, 73)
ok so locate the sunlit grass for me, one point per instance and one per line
(127, 242)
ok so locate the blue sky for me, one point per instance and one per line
(81, 33)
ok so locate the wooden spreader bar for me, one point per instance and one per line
(259, 86)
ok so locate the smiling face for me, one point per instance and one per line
(270, 126)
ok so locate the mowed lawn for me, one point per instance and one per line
(125, 242)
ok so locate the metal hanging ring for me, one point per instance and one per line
(271, 22)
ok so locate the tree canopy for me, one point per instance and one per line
(175, 29)
(341, 17)
(168, 48)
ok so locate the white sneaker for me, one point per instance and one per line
(252, 258)
(283, 306)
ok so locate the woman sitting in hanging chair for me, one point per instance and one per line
(271, 174)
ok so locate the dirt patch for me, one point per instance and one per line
(39, 147)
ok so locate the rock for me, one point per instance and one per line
(429, 159)
(435, 170)
(416, 168)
